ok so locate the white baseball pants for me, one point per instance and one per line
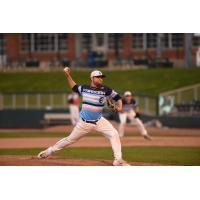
(82, 128)
(74, 113)
(134, 121)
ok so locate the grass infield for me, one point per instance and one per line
(163, 155)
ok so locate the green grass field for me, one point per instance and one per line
(162, 155)
(150, 81)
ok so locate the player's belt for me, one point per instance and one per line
(91, 122)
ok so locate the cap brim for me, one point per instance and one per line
(102, 76)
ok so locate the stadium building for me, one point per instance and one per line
(103, 49)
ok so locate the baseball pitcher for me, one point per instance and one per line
(93, 101)
(130, 110)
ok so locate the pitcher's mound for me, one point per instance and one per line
(58, 161)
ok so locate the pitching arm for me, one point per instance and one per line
(71, 82)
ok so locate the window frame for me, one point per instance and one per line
(120, 42)
(32, 48)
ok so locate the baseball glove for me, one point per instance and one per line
(111, 104)
(137, 115)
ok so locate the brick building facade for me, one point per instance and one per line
(45, 47)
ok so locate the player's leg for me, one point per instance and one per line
(131, 116)
(78, 132)
(142, 128)
(139, 124)
(122, 119)
(107, 129)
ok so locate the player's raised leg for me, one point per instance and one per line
(106, 128)
(78, 132)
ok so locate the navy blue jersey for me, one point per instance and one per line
(94, 99)
(127, 107)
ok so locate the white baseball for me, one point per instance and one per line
(67, 69)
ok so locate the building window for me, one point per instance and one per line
(151, 40)
(43, 42)
(165, 40)
(100, 39)
(62, 41)
(137, 40)
(26, 42)
(112, 38)
(86, 41)
(177, 39)
(2, 44)
(196, 40)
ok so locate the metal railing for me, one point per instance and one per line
(52, 100)
(148, 104)
(188, 93)
(33, 100)
(171, 100)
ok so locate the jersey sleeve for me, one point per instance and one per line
(77, 89)
(112, 93)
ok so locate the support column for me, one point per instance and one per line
(32, 45)
(188, 49)
(170, 40)
(56, 42)
(127, 44)
(159, 45)
(12, 45)
(94, 41)
(78, 49)
(145, 43)
(71, 46)
(106, 42)
(78, 45)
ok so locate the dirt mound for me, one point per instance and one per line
(59, 161)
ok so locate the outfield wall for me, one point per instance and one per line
(22, 118)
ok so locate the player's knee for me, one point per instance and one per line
(115, 133)
(71, 140)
